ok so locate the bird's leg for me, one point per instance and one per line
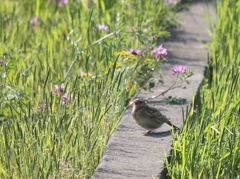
(148, 132)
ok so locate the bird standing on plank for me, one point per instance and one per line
(148, 117)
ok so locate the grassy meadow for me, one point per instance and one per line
(65, 77)
(209, 144)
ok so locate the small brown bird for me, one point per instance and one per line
(148, 117)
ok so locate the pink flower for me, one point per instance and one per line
(61, 2)
(132, 29)
(65, 98)
(23, 73)
(134, 52)
(58, 89)
(179, 69)
(103, 27)
(40, 108)
(171, 2)
(35, 22)
(1, 61)
(160, 53)
(62, 87)
(54, 92)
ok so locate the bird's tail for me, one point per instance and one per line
(170, 124)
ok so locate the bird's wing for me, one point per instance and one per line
(154, 113)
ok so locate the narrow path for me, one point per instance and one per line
(129, 153)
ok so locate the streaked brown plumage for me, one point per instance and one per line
(148, 117)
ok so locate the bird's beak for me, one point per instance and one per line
(130, 103)
(135, 103)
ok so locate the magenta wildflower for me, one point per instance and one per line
(62, 87)
(58, 89)
(160, 53)
(1, 61)
(179, 69)
(65, 98)
(54, 92)
(40, 108)
(171, 2)
(23, 73)
(132, 29)
(35, 22)
(134, 52)
(61, 2)
(103, 27)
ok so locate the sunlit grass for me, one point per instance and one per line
(209, 143)
(66, 77)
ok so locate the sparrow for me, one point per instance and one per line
(148, 117)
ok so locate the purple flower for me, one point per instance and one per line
(179, 69)
(102, 27)
(61, 2)
(171, 2)
(61, 88)
(35, 22)
(65, 98)
(1, 61)
(132, 29)
(54, 92)
(58, 89)
(40, 108)
(134, 52)
(160, 53)
(23, 73)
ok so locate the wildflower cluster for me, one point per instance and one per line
(61, 3)
(135, 52)
(34, 22)
(171, 2)
(179, 69)
(118, 65)
(86, 76)
(127, 57)
(103, 27)
(60, 89)
(160, 53)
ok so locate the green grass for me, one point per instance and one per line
(209, 144)
(40, 135)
